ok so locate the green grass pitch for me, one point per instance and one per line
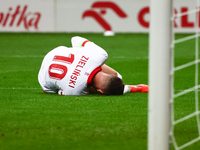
(30, 119)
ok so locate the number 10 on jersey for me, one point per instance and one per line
(58, 71)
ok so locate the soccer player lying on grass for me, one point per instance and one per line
(80, 70)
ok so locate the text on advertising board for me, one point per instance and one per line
(184, 20)
(20, 16)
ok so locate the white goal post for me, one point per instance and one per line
(160, 78)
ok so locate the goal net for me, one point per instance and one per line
(189, 72)
(173, 79)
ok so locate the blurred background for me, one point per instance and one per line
(97, 16)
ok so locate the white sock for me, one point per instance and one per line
(119, 75)
(127, 89)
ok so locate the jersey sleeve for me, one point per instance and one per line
(99, 53)
(77, 41)
(81, 42)
(61, 92)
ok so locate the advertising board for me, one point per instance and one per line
(87, 16)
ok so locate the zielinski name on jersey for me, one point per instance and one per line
(77, 71)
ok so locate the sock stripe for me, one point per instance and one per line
(85, 43)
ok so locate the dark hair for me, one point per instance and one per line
(115, 86)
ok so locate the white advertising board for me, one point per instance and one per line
(87, 15)
(98, 16)
(27, 15)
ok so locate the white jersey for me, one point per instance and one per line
(69, 71)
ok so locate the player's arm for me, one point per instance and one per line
(111, 71)
(127, 88)
(108, 70)
(91, 47)
(78, 41)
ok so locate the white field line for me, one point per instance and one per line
(22, 56)
(130, 57)
(145, 57)
(35, 56)
(185, 90)
(6, 71)
(19, 88)
(42, 56)
(34, 88)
